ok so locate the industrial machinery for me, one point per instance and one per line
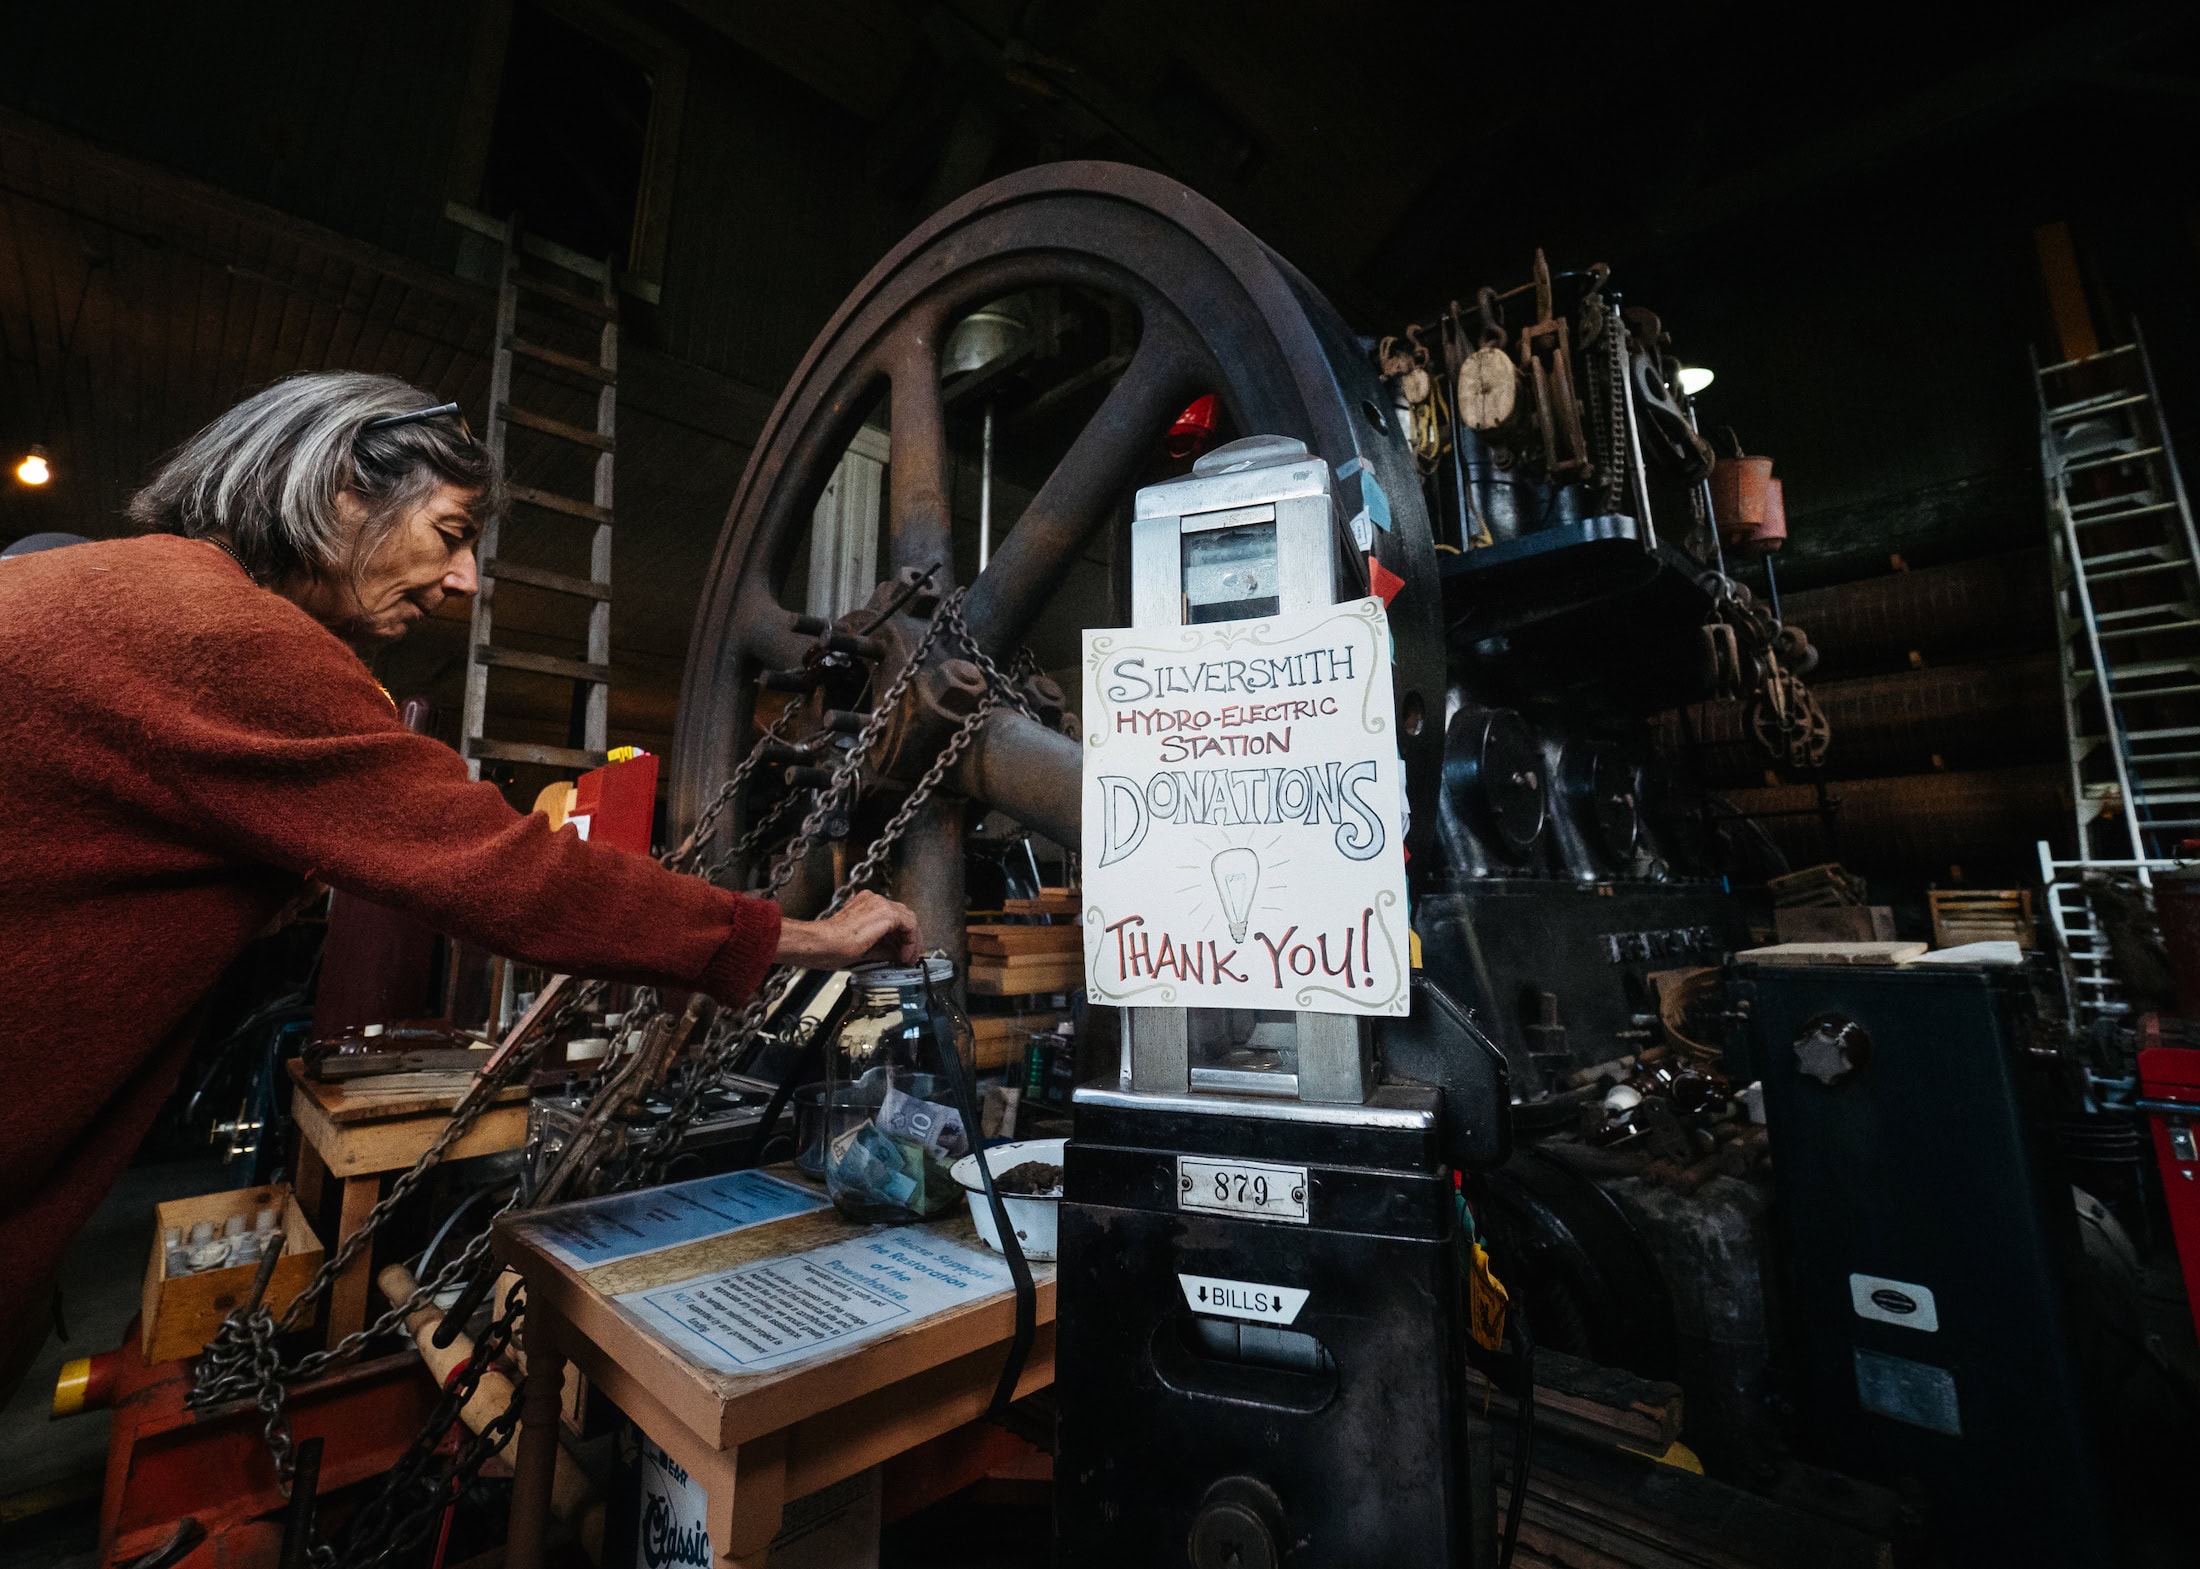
(1929, 1258)
(1560, 867)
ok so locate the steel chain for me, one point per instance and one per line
(379, 1532)
(219, 1378)
(242, 1360)
(706, 822)
(726, 1042)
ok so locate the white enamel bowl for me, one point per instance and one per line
(1033, 1218)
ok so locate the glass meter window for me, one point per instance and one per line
(1230, 573)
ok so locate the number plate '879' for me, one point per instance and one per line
(1242, 1187)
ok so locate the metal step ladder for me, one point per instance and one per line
(557, 335)
(2092, 987)
(2126, 571)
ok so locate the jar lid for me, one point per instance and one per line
(941, 970)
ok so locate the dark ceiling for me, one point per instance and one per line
(1396, 152)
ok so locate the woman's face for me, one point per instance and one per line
(427, 554)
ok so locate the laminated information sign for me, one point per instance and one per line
(776, 1311)
(1242, 792)
(622, 1225)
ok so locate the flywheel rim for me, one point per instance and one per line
(1225, 309)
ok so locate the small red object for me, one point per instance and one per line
(617, 804)
(1194, 428)
(1383, 582)
(2170, 1076)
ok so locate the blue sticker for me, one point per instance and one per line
(1372, 497)
(1350, 467)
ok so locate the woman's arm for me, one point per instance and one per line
(287, 753)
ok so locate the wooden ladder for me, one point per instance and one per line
(552, 305)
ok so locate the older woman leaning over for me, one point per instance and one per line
(189, 738)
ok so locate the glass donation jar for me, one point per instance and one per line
(891, 1125)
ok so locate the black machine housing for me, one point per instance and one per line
(1220, 1441)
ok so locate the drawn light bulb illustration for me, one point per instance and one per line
(1237, 875)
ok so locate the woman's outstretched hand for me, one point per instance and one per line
(868, 928)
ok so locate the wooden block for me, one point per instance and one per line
(999, 980)
(1832, 953)
(181, 1316)
(1051, 901)
(1011, 940)
(1031, 961)
(1641, 1411)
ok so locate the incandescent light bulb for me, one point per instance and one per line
(1237, 875)
(34, 469)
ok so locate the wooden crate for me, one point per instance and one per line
(182, 1315)
(1968, 915)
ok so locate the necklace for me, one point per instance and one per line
(231, 554)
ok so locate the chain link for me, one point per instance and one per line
(242, 1362)
(383, 1529)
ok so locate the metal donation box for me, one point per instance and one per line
(1258, 1348)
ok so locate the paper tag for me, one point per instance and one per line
(1246, 1299)
(1375, 499)
(1487, 1303)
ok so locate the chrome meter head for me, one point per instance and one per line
(1248, 533)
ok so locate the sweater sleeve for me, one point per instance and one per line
(276, 743)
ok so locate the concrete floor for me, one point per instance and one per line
(50, 1471)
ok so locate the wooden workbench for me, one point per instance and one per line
(754, 1441)
(355, 1139)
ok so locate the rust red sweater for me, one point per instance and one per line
(182, 750)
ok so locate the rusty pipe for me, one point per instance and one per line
(1034, 774)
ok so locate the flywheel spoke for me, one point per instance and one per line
(1094, 475)
(767, 632)
(920, 528)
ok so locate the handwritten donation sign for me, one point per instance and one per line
(1242, 846)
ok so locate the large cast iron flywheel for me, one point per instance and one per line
(1215, 311)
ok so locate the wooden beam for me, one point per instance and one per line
(2075, 338)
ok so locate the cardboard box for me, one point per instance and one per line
(183, 1314)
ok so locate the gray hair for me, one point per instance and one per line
(265, 477)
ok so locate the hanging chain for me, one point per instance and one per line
(729, 1038)
(691, 851)
(241, 1362)
(384, 1529)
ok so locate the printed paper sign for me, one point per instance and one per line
(601, 1231)
(1242, 846)
(779, 1311)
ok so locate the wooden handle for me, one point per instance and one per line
(572, 1499)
